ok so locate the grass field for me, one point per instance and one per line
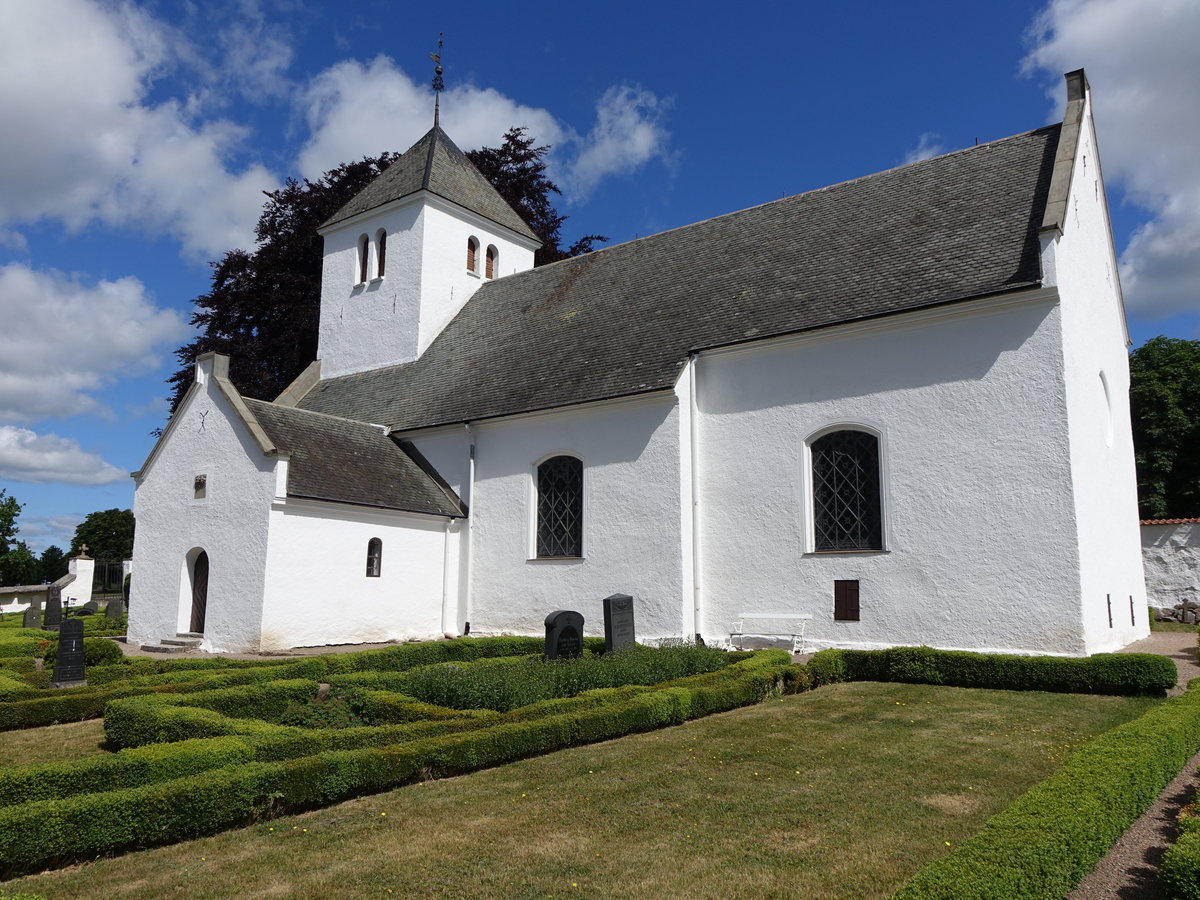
(842, 792)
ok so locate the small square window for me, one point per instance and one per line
(200, 487)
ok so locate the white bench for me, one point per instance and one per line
(785, 625)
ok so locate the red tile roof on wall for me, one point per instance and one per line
(1169, 521)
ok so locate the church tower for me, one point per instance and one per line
(407, 252)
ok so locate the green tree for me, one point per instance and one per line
(9, 510)
(19, 566)
(108, 535)
(517, 171)
(1164, 399)
(53, 562)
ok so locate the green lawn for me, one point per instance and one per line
(57, 743)
(842, 792)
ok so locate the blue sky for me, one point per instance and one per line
(138, 138)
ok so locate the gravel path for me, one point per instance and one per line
(1130, 871)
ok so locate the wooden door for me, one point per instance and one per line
(199, 592)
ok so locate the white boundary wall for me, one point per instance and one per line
(1171, 555)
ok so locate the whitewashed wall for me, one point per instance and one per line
(79, 591)
(389, 320)
(1171, 554)
(630, 453)
(230, 524)
(979, 533)
(1096, 372)
(317, 590)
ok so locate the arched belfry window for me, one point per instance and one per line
(472, 255)
(847, 514)
(492, 258)
(380, 252)
(364, 251)
(374, 557)
(560, 507)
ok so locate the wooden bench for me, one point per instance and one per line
(784, 625)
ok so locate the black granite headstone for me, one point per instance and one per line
(53, 616)
(68, 665)
(33, 616)
(618, 622)
(564, 635)
(115, 608)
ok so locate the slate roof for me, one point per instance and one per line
(621, 320)
(436, 165)
(351, 462)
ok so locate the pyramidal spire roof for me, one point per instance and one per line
(436, 165)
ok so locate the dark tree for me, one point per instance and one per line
(517, 171)
(264, 307)
(107, 533)
(9, 510)
(19, 566)
(1164, 399)
(54, 563)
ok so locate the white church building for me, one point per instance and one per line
(890, 411)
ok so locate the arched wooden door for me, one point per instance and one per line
(199, 592)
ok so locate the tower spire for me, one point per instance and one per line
(438, 84)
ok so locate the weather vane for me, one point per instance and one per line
(438, 84)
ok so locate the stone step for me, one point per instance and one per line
(161, 648)
(190, 634)
(186, 643)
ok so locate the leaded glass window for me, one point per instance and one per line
(560, 507)
(846, 508)
(374, 558)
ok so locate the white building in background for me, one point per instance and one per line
(891, 411)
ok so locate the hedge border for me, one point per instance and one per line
(57, 831)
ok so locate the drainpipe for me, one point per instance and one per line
(470, 524)
(693, 446)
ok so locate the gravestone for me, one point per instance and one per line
(115, 608)
(53, 616)
(564, 635)
(33, 616)
(88, 609)
(618, 622)
(68, 665)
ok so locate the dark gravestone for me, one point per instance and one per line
(33, 616)
(53, 615)
(618, 622)
(115, 609)
(68, 665)
(564, 635)
(88, 609)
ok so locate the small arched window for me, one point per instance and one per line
(380, 252)
(472, 255)
(492, 258)
(364, 251)
(560, 507)
(847, 514)
(374, 557)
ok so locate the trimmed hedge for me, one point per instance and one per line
(1055, 833)
(1179, 873)
(53, 831)
(97, 651)
(1128, 674)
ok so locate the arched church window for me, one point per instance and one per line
(364, 248)
(492, 257)
(560, 507)
(472, 255)
(374, 557)
(847, 514)
(380, 252)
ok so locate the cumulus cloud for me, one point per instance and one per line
(84, 143)
(63, 340)
(928, 146)
(354, 109)
(43, 458)
(39, 532)
(1143, 68)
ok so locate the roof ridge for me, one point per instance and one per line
(433, 139)
(312, 412)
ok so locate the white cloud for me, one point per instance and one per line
(63, 340)
(1143, 67)
(356, 109)
(83, 143)
(43, 458)
(39, 532)
(928, 146)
